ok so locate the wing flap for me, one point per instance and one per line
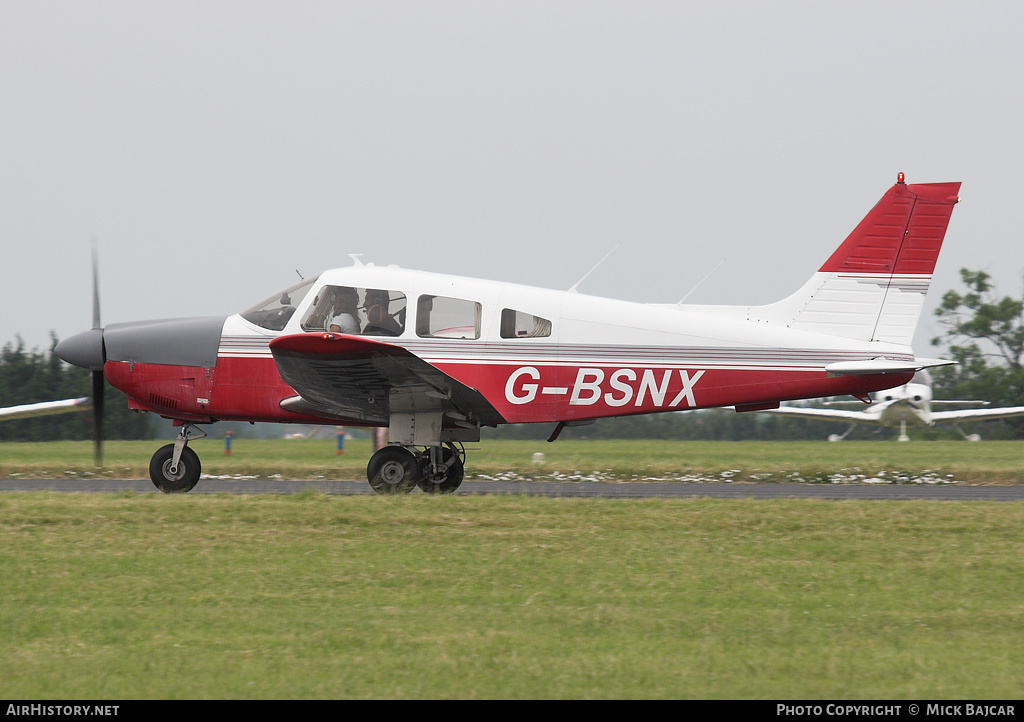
(358, 379)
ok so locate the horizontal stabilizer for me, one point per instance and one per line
(883, 366)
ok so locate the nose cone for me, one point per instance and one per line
(84, 349)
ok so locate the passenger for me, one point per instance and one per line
(379, 321)
(346, 315)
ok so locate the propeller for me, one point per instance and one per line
(98, 382)
(87, 351)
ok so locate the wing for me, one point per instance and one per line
(834, 414)
(952, 417)
(354, 379)
(46, 408)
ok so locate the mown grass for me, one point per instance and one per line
(124, 596)
(985, 462)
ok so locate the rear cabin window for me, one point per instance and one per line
(443, 317)
(357, 311)
(517, 324)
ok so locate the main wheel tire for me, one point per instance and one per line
(393, 470)
(450, 482)
(187, 477)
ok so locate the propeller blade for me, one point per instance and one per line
(98, 382)
(95, 290)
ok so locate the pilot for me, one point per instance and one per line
(345, 318)
(379, 321)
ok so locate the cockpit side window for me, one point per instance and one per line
(383, 312)
(361, 311)
(443, 317)
(273, 314)
(517, 324)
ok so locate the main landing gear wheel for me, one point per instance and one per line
(447, 480)
(187, 473)
(393, 470)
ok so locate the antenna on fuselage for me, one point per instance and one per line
(683, 299)
(573, 289)
(355, 260)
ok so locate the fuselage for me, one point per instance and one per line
(910, 404)
(536, 355)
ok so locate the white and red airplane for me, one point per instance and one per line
(907, 405)
(435, 357)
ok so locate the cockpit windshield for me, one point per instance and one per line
(273, 314)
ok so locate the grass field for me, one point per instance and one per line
(985, 462)
(131, 596)
(147, 596)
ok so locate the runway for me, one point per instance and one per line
(568, 489)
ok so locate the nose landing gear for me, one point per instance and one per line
(175, 468)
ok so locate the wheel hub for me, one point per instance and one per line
(173, 472)
(392, 472)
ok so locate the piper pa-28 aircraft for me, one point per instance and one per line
(907, 405)
(435, 357)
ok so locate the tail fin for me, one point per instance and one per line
(873, 287)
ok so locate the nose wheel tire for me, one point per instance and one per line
(393, 470)
(186, 476)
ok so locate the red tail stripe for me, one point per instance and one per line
(901, 234)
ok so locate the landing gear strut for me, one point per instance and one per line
(435, 469)
(175, 468)
(967, 437)
(840, 437)
(443, 469)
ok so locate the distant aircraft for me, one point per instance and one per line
(436, 357)
(907, 405)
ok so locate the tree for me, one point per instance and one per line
(980, 315)
(985, 334)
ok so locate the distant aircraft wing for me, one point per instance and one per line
(355, 379)
(45, 408)
(952, 417)
(834, 414)
(955, 402)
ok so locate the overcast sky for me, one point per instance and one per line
(213, 149)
